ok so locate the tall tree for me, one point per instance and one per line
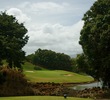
(52, 60)
(95, 39)
(12, 39)
(81, 63)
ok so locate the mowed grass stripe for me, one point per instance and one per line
(41, 98)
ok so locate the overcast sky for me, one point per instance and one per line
(51, 24)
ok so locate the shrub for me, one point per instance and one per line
(13, 82)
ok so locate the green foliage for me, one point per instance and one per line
(95, 39)
(51, 60)
(38, 68)
(12, 39)
(74, 65)
(80, 64)
(29, 58)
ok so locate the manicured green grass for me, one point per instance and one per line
(30, 67)
(58, 76)
(40, 98)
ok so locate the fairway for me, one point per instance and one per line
(57, 76)
(41, 98)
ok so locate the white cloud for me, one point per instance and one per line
(44, 8)
(65, 13)
(55, 37)
(50, 23)
(18, 14)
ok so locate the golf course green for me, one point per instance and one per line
(57, 76)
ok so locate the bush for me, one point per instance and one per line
(13, 83)
(37, 68)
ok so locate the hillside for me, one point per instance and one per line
(58, 76)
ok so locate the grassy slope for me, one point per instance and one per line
(53, 75)
(28, 66)
(40, 98)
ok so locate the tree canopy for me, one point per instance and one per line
(80, 64)
(50, 60)
(95, 39)
(12, 39)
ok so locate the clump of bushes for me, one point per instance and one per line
(13, 83)
(37, 68)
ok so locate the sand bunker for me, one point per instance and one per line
(68, 75)
(30, 71)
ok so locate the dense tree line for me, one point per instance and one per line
(80, 64)
(12, 39)
(95, 39)
(51, 60)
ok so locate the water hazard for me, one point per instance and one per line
(86, 86)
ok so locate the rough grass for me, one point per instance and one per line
(41, 98)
